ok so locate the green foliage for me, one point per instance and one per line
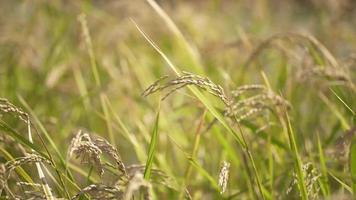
(276, 107)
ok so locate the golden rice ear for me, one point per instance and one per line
(29, 158)
(106, 147)
(83, 146)
(90, 148)
(7, 107)
(184, 80)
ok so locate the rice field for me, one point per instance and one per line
(148, 99)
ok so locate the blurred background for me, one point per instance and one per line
(45, 60)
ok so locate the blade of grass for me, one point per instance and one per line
(324, 172)
(298, 162)
(196, 165)
(126, 133)
(252, 161)
(336, 112)
(95, 71)
(108, 120)
(89, 45)
(188, 170)
(342, 183)
(206, 174)
(343, 102)
(193, 55)
(195, 146)
(152, 147)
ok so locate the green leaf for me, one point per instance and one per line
(353, 164)
(152, 148)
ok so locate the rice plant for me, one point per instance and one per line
(177, 100)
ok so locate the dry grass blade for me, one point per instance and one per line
(184, 80)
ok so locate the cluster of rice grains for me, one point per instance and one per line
(245, 102)
(127, 181)
(311, 178)
(185, 80)
(6, 107)
(90, 149)
(11, 165)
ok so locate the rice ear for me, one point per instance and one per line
(184, 80)
(224, 176)
(90, 148)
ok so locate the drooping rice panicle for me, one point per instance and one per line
(90, 149)
(184, 80)
(30, 158)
